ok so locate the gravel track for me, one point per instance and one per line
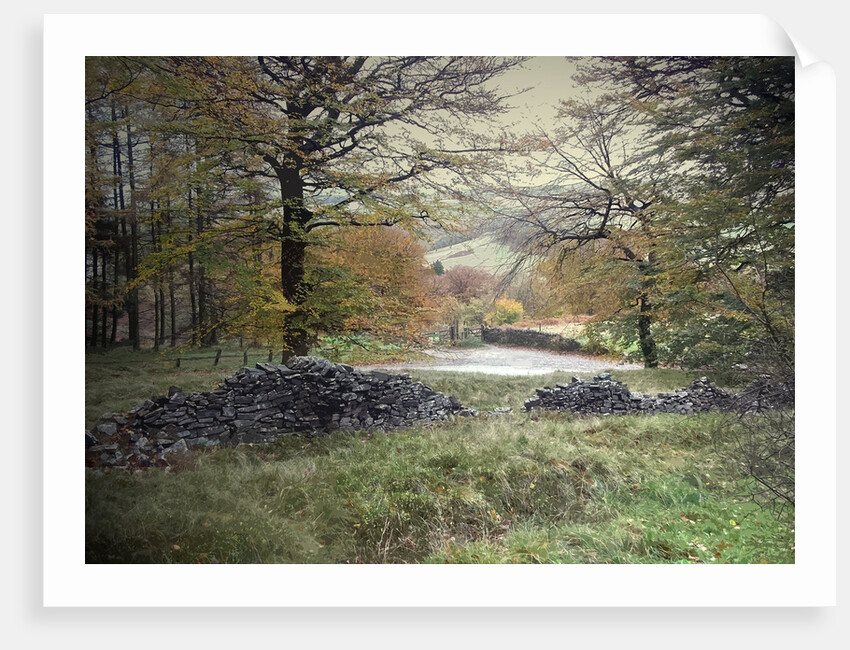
(496, 360)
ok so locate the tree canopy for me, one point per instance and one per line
(250, 161)
(664, 202)
(277, 197)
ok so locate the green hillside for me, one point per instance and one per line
(482, 252)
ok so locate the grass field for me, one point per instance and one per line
(521, 487)
(482, 252)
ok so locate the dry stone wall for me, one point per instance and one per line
(264, 403)
(529, 339)
(306, 394)
(603, 395)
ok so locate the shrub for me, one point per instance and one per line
(505, 312)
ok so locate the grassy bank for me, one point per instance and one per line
(522, 487)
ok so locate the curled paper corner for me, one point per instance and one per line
(805, 56)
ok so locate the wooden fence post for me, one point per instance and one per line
(245, 357)
(217, 356)
(270, 356)
(178, 362)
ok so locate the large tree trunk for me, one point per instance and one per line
(292, 253)
(204, 332)
(297, 339)
(647, 342)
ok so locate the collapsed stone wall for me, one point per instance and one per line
(529, 339)
(762, 395)
(263, 403)
(603, 395)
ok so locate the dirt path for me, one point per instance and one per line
(496, 360)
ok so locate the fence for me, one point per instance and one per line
(454, 334)
(218, 356)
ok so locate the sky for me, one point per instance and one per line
(549, 79)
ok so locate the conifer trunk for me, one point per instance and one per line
(173, 312)
(133, 257)
(117, 204)
(94, 309)
(193, 315)
(103, 289)
(155, 248)
(114, 331)
(156, 320)
(161, 314)
(201, 287)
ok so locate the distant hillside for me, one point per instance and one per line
(483, 253)
(447, 239)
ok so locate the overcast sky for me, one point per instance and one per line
(550, 82)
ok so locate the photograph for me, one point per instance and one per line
(439, 309)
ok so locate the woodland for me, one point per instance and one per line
(282, 199)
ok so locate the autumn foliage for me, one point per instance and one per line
(505, 312)
(463, 283)
(374, 280)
